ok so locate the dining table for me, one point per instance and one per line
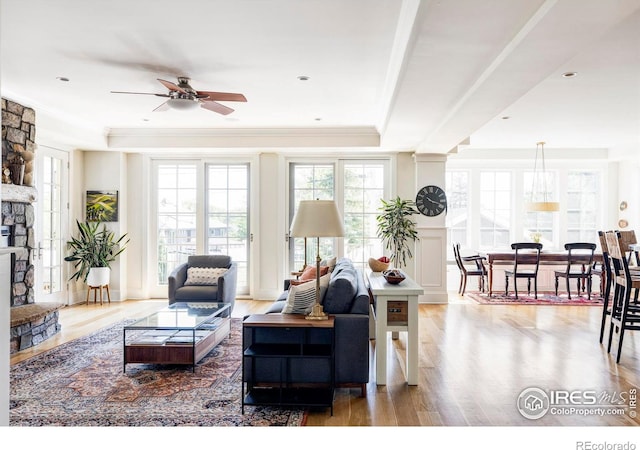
(504, 257)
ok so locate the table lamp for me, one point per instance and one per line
(317, 218)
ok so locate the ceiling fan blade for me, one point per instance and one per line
(163, 107)
(216, 107)
(223, 96)
(172, 86)
(140, 93)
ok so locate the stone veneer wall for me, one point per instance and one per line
(21, 217)
(18, 140)
(18, 136)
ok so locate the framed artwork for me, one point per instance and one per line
(102, 206)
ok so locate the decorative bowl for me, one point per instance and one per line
(393, 276)
(378, 266)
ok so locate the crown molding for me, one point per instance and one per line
(135, 138)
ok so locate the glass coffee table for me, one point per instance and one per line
(182, 333)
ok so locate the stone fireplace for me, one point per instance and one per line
(31, 323)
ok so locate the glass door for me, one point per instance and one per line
(50, 222)
(200, 208)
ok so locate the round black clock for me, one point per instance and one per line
(431, 201)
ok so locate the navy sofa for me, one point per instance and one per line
(346, 298)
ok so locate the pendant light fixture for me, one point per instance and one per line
(540, 191)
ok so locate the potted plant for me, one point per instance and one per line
(93, 251)
(396, 229)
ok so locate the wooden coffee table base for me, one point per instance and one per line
(187, 354)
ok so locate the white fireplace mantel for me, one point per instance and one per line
(20, 194)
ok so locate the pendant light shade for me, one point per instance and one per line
(543, 206)
(538, 191)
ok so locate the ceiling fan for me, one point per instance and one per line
(183, 96)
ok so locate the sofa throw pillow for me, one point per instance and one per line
(302, 297)
(203, 276)
(309, 273)
(329, 262)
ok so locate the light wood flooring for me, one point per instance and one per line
(474, 361)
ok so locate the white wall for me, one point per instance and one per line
(137, 213)
(92, 170)
(269, 234)
(405, 186)
(129, 173)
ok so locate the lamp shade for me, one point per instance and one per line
(317, 218)
(543, 206)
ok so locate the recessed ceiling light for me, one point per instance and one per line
(569, 74)
(65, 79)
(303, 78)
(145, 120)
(318, 119)
(506, 117)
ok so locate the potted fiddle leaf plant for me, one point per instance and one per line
(396, 229)
(93, 251)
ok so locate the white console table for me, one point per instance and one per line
(384, 292)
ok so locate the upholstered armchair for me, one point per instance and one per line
(204, 278)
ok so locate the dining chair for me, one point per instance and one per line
(526, 261)
(598, 267)
(579, 262)
(605, 273)
(624, 315)
(478, 269)
(627, 238)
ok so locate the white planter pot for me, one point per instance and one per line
(98, 276)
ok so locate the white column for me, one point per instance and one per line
(431, 252)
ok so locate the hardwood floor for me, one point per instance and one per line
(474, 361)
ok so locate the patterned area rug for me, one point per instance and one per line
(544, 298)
(81, 383)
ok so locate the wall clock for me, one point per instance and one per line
(431, 201)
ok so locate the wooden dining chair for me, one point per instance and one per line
(598, 267)
(627, 238)
(624, 315)
(477, 270)
(605, 282)
(526, 261)
(579, 262)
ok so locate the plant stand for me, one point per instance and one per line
(95, 293)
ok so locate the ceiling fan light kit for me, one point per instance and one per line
(182, 103)
(182, 96)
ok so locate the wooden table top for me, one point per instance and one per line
(286, 321)
(545, 256)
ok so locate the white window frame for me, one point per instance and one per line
(339, 164)
(156, 290)
(518, 167)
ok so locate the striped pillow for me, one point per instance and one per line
(302, 297)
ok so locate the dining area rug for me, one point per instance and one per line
(544, 298)
(82, 383)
